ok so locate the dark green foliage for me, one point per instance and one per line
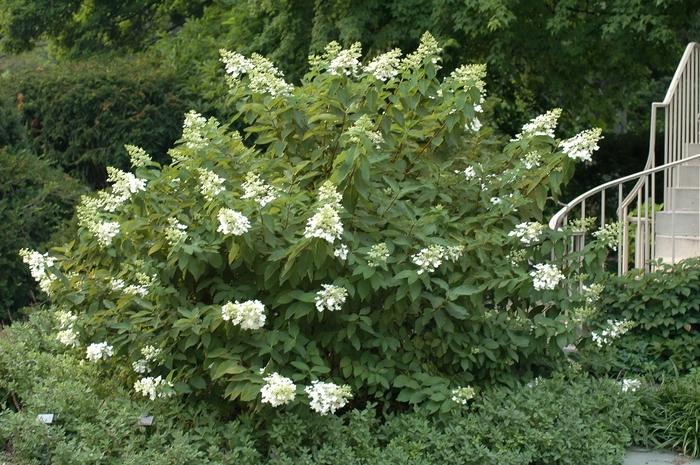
(35, 202)
(567, 420)
(11, 130)
(80, 114)
(672, 414)
(665, 305)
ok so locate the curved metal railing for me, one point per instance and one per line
(637, 207)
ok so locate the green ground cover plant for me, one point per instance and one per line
(570, 419)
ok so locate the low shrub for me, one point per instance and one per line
(363, 235)
(80, 114)
(664, 307)
(36, 202)
(570, 419)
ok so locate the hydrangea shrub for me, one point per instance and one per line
(359, 239)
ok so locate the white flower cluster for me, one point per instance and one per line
(546, 276)
(528, 233)
(248, 315)
(469, 172)
(150, 354)
(364, 127)
(232, 222)
(325, 223)
(428, 49)
(428, 259)
(264, 77)
(154, 387)
(385, 66)
(615, 329)
(257, 190)
(210, 184)
(141, 289)
(125, 185)
(341, 252)
(346, 62)
(377, 255)
(462, 395)
(469, 76)
(99, 351)
(582, 145)
(39, 265)
(89, 217)
(67, 335)
(330, 298)
(278, 390)
(630, 385)
(516, 257)
(592, 293)
(193, 130)
(543, 125)
(609, 235)
(532, 160)
(138, 156)
(326, 398)
(176, 232)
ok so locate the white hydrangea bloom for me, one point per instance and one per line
(325, 223)
(117, 284)
(346, 62)
(474, 126)
(469, 76)
(496, 200)
(99, 351)
(364, 127)
(264, 77)
(546, 276)
(528, 233)
(429, 258)
(210, 184)
(427, 49)
(517, 257)
(462, 395)
(193, 130)
(248, 315)
(341, 252)
(615, 329)
(236, 65)
(330, 298)
(385, 66)
(592, 293)
(630, 385)
(277, 390)
(154, 387)
(543, 125)
(609, 235)
(377, 255)
(232, 222)
(257, 190)
(106, 231)
(39, 265)
(124, 184)
(469, 172)
(582, 145)
(326, 398)
(138, 156)
(176, 232)
(454, 252)
(140, 366)
(532, 160)
(150, 352)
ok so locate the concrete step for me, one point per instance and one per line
(686, 247)
(688, 175)
(685, 199)
(686, 223)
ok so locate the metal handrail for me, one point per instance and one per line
(681, 107)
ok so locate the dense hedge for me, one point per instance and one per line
(80, 114)
(95, 422)
(35, 202)
(11, 130)
(665, 308)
